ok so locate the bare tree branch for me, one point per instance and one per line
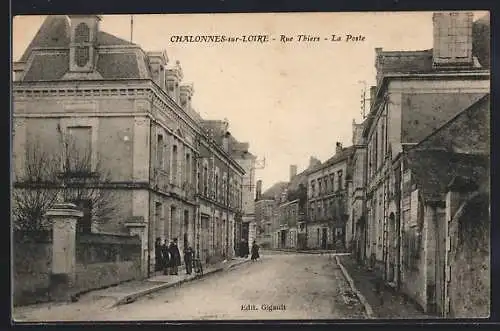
(48, 177)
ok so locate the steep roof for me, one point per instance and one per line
(54, 35)
(434, 169)
(55, 32)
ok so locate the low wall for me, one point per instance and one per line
(99, 275)
(101, 260)
(32, 262)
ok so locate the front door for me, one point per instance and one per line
(324, 236)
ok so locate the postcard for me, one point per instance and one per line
(251, 166)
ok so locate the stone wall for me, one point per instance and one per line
(469, 287)
(101, 261)
(31, 267)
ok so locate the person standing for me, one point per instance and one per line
(158, 255)
(255, 251)
(175, 257)
(165, 257)
(188, 259)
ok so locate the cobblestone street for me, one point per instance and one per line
(297, 286)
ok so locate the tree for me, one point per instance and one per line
(70, 177)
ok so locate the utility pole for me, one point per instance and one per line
(364, 99)
(131, 28)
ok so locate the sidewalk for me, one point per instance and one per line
(309, 251)
(96, 301)
(394, 306)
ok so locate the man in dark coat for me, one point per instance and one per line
(165, 257)
(255, 251)
(158, 255)
(188, 259)
(175, 257)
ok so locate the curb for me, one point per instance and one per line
(133, 297)
(368, 308)
(310, 252)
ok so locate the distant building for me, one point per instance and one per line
(327, 201)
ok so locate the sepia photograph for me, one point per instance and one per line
(250, 166)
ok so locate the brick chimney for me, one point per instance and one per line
(338, 147)
(293, 171)
(258, 190)
(452, 45)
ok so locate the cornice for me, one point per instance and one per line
(144, 88)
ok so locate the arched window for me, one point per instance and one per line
(82, 33)
(82, 55)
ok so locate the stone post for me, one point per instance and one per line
(138, 228)
(64, 217)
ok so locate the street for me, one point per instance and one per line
(280, 286)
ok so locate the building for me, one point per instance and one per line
(355, 230)
(245, 227)
(274, 193)
(264, 209)
(327, 199)
(417, 92)
(131, 113)
(291, 209)
(443, 173)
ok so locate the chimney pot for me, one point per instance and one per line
(338, 147)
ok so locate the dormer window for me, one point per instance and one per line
(83, 43)
(82, 55)
(82, 33)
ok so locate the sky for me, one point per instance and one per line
(291, 100)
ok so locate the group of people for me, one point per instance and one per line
(244, 251)
(168, 257)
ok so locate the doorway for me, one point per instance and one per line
(324, 237)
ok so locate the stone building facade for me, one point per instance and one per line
(132, 111)
(416, 93)
(327, 199)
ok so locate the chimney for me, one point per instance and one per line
(313, 162)
(225, 142)
(293, 171)
(338, 147)
(452, 44)
(258, 193)
(185, 93)
(379, 64)
(373, 95)
(158, 62)
(174, 77)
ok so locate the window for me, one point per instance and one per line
(85, 223)
(332, 182)
(205, 180)
(79, 149)
(312, 189)
(216, 188)
(159, 152)
(82, 33)
(82, 55)
(187, 169)
(320, 190)
(339, 175)
(174, 164)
